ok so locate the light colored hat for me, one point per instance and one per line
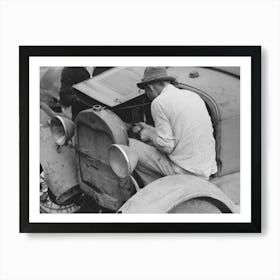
(153, 74)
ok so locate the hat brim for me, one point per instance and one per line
(167, 78)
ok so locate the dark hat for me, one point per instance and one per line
(153, 74)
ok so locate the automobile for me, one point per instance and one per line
(89, 162)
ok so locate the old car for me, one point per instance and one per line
(90, 159)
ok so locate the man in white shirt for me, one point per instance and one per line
(182, 140)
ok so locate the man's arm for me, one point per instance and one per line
(161, 135)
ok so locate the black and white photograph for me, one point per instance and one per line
(140, 139)
(158, 141)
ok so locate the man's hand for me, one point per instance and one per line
(144, 135)
(146, 131)
(136, 129)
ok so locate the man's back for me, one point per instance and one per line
(190, 128)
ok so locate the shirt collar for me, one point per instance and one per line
(169, 86)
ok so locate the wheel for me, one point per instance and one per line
(81, 203)
(47, 205)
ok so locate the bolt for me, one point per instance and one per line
(193, 74)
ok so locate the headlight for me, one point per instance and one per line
(122, 160)
(62, 130)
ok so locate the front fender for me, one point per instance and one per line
(164, 194)
(59, 164)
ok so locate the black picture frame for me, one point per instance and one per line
(25, 52)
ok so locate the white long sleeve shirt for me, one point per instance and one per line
(184, 130)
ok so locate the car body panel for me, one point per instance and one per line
(50, 80)
(230, 185)
(235, 71)
(223, 88)
(59, 164)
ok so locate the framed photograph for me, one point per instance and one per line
(167, 137)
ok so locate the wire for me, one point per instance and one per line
(116, 109)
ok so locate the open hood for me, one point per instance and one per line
(113, 87)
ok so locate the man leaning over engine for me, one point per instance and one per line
(182, 140)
